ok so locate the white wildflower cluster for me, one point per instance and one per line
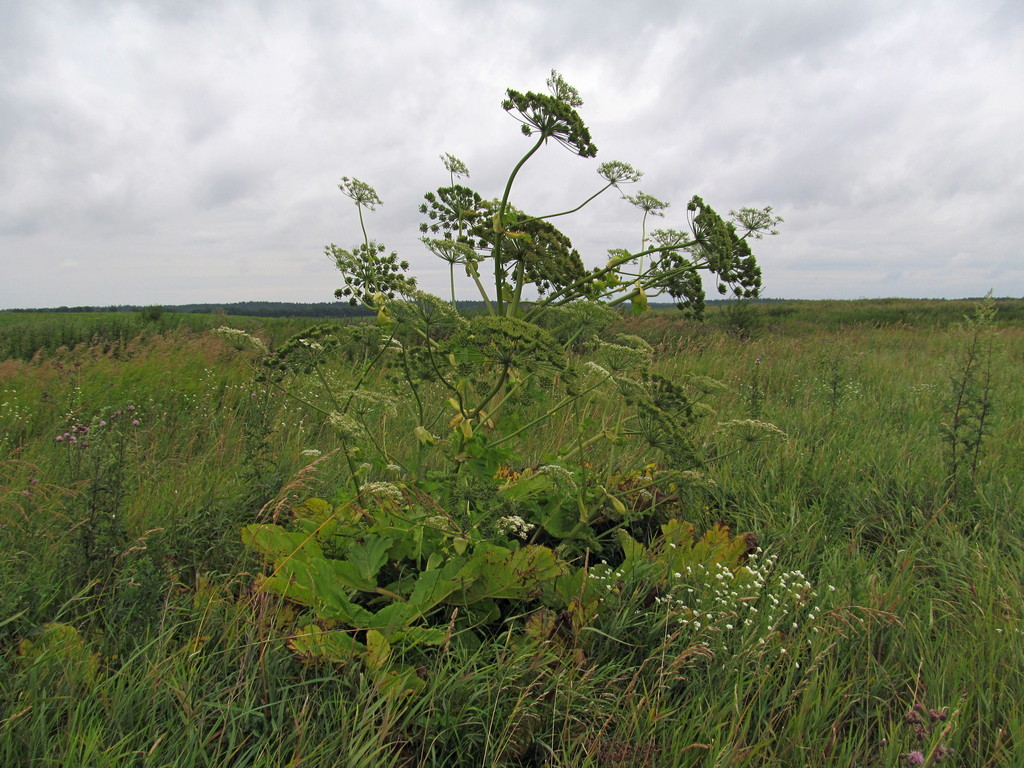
(696, 478)
(594, 374)
(366, 401)
(751, 430)
(745, 609)
(514, 525)
(440, 522)
(731, 612)
(12, 411)
(388, 491)
(622, 357)
(241, 340)
(312, 344)
(559, 474)
(346, 427)
(700, 410)
(310, 453)
(838, 390)
(704, 384)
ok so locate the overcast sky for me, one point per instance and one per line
(167, 151)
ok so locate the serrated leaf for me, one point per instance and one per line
(315, 509)
(378, 650)
(275, 543)
(313, 643)
(495, 573)
(368, 557)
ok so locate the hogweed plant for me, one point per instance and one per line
(446, 526)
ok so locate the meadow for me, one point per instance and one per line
(873, 451)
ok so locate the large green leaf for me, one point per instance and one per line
(275, 543)
(497, 573)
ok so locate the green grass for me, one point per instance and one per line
(176, 660)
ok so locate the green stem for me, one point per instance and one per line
(520, 269)
(499, 267)
(366, 238)
(568, 400)
(494, 392)
(572, 210)
(475, 274)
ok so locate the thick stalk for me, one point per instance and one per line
(499, 266)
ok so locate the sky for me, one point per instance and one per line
(171, 152)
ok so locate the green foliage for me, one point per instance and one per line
(854, 497)
(151, 314)
(462, 529)
(969, 406)
(59, 655)
(403, 576)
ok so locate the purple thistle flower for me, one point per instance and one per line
(913, 758)
(59, 438)
(135, 422)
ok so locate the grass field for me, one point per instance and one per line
(135, 633)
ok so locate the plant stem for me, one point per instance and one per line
(499, 224)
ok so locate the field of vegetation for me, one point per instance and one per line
(201, 569)
(529, 530)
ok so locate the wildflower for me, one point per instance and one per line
(913, 758)
(347, 427)
(385, 490)
(560, 474)
(310, 453)
(514, 525)
(135, 422)
(596, 371)
(239, 340)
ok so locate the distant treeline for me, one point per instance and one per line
(343, 309)
(242, 308)
(25, 333)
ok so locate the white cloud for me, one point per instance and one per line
(189, 151)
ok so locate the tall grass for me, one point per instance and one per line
(158, 650)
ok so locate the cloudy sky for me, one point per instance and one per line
(169, 151)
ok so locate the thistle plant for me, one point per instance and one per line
(969, 406)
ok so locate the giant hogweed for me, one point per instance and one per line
(459, 539)
(404, 576)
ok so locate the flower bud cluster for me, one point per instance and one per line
(79, 435)
(514, 525)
